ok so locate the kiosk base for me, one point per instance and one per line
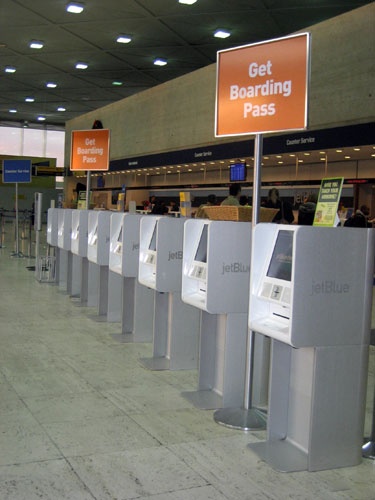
(155, 364)
(241, 419)
(204, 400)
(282, 456)
(368, 450)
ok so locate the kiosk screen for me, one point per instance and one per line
(280, 266)
(152, 245)
(119, 238)
(201, 254)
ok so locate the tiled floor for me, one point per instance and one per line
(80, 418)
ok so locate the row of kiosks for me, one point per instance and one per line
(315, 306)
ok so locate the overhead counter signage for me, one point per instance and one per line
(263, 87)
(90, 150)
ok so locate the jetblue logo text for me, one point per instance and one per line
(235, 267)
(175, 255)
(328, 287)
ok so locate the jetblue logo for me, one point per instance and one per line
(235, 267)
(175, 255)
(328, 287)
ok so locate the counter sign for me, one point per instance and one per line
(90, 150)
(263, 87)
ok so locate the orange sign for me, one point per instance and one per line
(263, 87)
(90, 150)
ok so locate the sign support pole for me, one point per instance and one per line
(248, 418)
(17, 253)
(88, 188)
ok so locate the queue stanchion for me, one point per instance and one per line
(2, 229)
(17, 253)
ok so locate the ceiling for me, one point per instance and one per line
(181, 34)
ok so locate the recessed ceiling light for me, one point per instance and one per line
(12, 111)
(29, 99)
(36, 44)
(61, 108)
(117, 84)
(280, 162)
(74, 8)
(41, 118)
(51, 85)
(373, 155)
(220, 33)
(160, 62)
(187, 2)
(300, 161)
(189, 170)
(306, 154)
(265, 157)
(292, 156)
(322, 152)
(322, 159)
(10, 69)
(278, 156)
(123, 39)
(81, 65)
(338, 150)
(357, 149)
(347, 157)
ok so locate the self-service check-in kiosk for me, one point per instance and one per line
(79, 242)
(98, 256)
(64, 244)
(176, 324)
(137, 301)
(315, 305)
(52, 236)
(216, 280)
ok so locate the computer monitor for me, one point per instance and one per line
(198, 267)
(93, 237)
(276, 283)
(237, 172)
(118, 248)
(152, 245)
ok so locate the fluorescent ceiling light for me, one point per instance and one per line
(160, 62)
(81, 65)
(221, 33)
(12, 111)
(187, 2)
(74, 8)
(10, 69)
(36, 44)
(29, 99)
(124, 39)
(61, 108)
(51, 85)
(41, 118)
(117, 84)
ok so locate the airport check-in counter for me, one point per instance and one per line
(137, 301)
(64, 230)
(52, 226)
(316, 306)
(98, 256)
(215, 280)
(79, 241)
(176, 324)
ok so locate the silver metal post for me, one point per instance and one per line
(248, 418)
(1, 229)
(88, 187)
(17, 253)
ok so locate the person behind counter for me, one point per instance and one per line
(285, 213)
(211, 201)
(360, 218)
(306, 211)
(234, 195)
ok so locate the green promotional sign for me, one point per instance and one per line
(328, 202)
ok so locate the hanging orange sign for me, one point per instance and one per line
(263, 87)
(90, 150)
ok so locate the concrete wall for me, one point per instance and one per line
(179, 114)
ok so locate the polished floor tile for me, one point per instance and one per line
(81, 419)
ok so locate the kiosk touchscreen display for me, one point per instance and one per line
(201, 253)
(119, 238)
(152, 245)
(280, 266)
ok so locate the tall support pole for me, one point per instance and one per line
(88, 188)
(17, 252)
(248, 418)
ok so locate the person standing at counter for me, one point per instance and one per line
(285, 213)
(234, 195)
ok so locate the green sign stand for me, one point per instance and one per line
(328, 202)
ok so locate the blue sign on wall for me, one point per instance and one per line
(16, 171)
